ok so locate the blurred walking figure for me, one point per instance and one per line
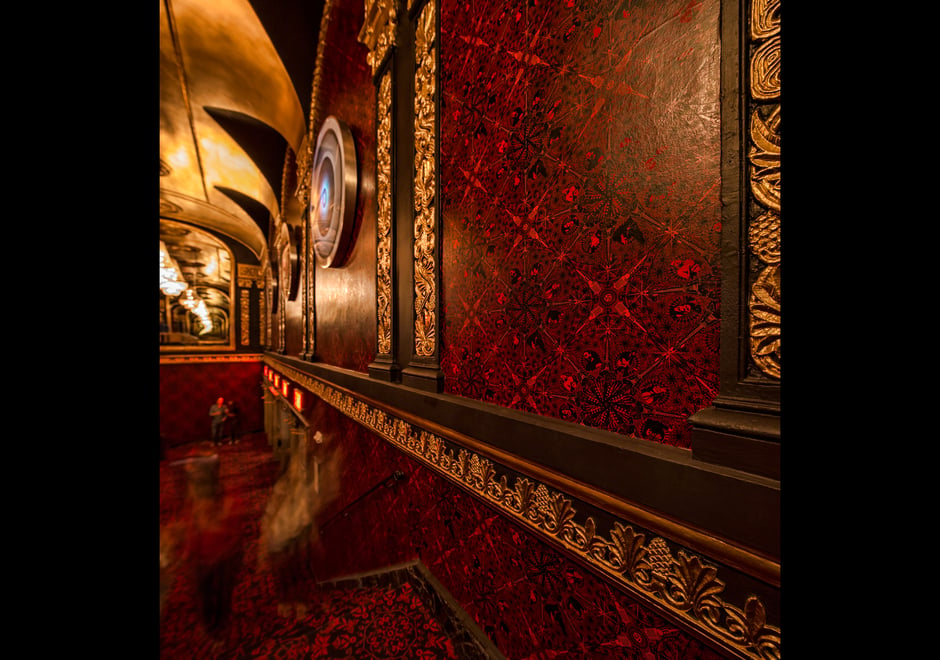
(209, 535)
(289, 529)
(217, 414)
(232, 422)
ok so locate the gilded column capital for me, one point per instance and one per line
(379, 30)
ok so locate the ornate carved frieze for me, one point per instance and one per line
(764, 176)
(425, 184)
(384, 220)
(244, 316)
(677, 581)
(206, 359)
(249, 275)
(379, 30)
(266, 301)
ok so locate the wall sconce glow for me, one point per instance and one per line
(284, 387)
(277, 380)
(298, 399)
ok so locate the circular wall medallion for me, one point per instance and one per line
(333, 186)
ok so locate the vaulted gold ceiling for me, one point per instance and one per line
(235, 81)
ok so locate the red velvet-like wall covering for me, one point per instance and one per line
(530, 600)
(580, 209)
(188, 390)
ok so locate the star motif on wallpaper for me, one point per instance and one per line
(581, 249)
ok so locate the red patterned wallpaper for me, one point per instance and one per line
(188, 390)
(580, 209)
(530, 600)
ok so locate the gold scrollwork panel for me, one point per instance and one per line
(244, 313)
(384, 220)
(425, 184)
(764, 179)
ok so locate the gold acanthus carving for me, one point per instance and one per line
(244, 313)
(425, 266)
(764, 174)
(677, 581)
(384, 220)
(207, 359)
(765, 70)
(765, 18)
(379, 30)
(764, 157)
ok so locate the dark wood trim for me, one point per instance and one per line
(741, 430)
(731, 512)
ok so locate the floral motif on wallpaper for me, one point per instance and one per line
(580, 182)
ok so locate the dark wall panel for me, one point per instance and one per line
(530, 600)
(345, 296)
(188, 390)
(580, 180)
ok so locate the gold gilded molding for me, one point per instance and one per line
(425, 188)
(384, 220)
(266, 303)
(379, 30)
(765, 18)
(248, 275)
(669, 577)
(305, 157)
(765, 70)
(206, 359)
(244, 314)
(764, 174)
(304, 167)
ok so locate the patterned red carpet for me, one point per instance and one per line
(386, 615)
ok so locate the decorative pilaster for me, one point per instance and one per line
(379, 33)
(304, 167)
(423, 368)
(248, 277)
(764, 175)
(244, 316)
(742, 427)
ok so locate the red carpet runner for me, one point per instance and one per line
(392, 616)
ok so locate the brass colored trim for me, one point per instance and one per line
(244, 314)
(425, 184)
(379, 30)
(206, 359)
(673, 580)
(248, 275)
(764, 173)
(384, 218)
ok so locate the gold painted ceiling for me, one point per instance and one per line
(235, 79)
